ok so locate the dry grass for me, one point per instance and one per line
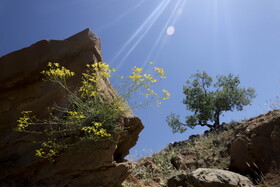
(211, 149)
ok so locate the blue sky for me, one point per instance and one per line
(216, 36)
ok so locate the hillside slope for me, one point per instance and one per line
(250, 148)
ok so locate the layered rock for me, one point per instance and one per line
(210, 178)
(255, 147)
(22, 88)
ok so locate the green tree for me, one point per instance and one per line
(207, 100)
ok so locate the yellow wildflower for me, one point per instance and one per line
(166, 94)
(103, 133)
(135, 77)
(96, 130)
(76, 115)
(148, 77)
(159, 70)
(97, 124)
(93, 93)
(152, 92)
(24, 121)
(56, 72)
(40, 153)
(137, 70)
(52, 153)
(89, 129)
(49, 64)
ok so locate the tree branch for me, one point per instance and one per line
(206, 124)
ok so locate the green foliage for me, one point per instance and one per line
(207, 101)
(92, 114)
(174, 122)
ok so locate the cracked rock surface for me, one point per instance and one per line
(22, 88)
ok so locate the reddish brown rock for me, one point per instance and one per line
(22, 88)
(255, 149)
(21, 85)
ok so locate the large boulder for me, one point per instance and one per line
(210, 178)
(255, 147)
(22, 88)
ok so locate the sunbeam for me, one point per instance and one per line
(229, 29)
(222, 35)
(141, 32)
(117, 19)
(215, 39)
(171, 21)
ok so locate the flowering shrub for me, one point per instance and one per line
(140, 84)
(90, 115)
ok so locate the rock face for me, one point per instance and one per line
(210, 178)
(22, 88)
(255, 148)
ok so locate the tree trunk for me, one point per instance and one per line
(216, 119)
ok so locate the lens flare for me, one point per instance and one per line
(158, 45)
(140, 33)
(170, 30)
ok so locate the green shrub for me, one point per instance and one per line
(91, 115)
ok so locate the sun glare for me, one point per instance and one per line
(121, 16)
(170, 30)
(159, 43)
(140, 33)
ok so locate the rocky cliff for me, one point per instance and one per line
(255, 146)
(22, 88)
